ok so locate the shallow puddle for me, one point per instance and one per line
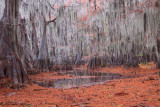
(86, 73)
(84, 78)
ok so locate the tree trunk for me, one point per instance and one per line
(158, 54)
(43, 57)
(10, 50)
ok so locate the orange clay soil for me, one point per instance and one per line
(135, 92)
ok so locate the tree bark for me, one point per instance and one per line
(10, 50)
(43, 57)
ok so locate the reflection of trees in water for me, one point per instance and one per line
(110, 32)
(83, 80)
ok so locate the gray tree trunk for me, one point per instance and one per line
(11, 65)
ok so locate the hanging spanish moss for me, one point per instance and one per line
(44, 33)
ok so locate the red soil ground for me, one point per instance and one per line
(136, 92)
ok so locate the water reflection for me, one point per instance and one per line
(98, 78)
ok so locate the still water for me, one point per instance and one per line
(84, 78)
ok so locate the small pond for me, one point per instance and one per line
(84, 78)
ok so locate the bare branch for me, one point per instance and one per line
(48, 22)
